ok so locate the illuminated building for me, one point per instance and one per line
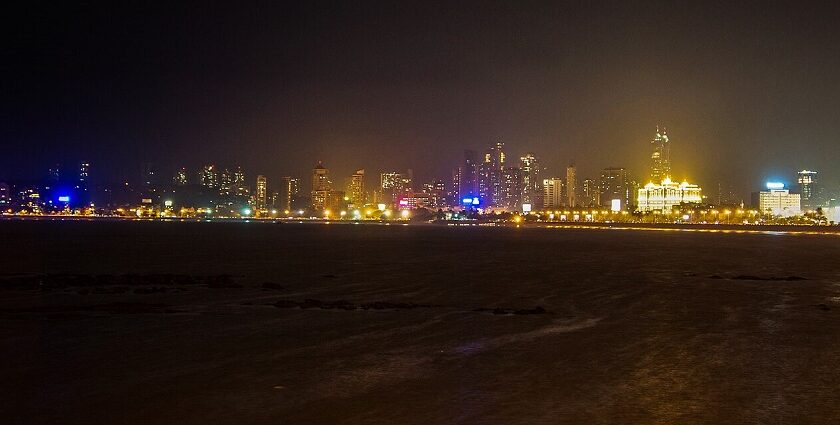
(225, 182)
(209, 177)
(531, 179)
(552, 193)
(393, 186)
(435, 194)
(84, 171)
(5, 196)
(510, 193)
(455, 193)
(289, 188)
(321, 186)
(357, 188)
(261, 196)
(614, 185)
(591, 194)
(239, 187)
(667, 195)
(571, 186)
(180, 178)
(660, 157)
(467, 176)
(490, 176)
(777, 200)
(809, 189)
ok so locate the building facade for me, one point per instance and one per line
(779, 202)
(614, 185)
(552, 193)
(667, 195)
(321, 187)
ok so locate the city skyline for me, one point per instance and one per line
(357, 86)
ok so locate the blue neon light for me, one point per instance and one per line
(64, 199)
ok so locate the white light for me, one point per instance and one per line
(775, 185)
(615, 205)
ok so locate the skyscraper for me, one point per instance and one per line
(614, 186)
(261, 196)
(552, 193)
(490, 176)
(591, 193)
(571, 186)
(531, 179)
(807, 182)
(84, 171)
(660, 157)
(289, 188)
(468, 176)
(510, 193)
(321, 186)
(357, 188)
(209, 177)
(180, 178)
(394, 185)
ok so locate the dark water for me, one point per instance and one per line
(414, 325)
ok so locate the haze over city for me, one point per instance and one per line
(746, 90)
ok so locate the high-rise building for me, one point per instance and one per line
(209, 177)
(552, 193)
(393, 186)
(777, 200)
(239, 186)
(614, 186)
(808, 188)
(667, 195)
(510, 194)
(261, 196)
(180, 178)
(490, 176)
(660, 157)
(591, 194)
(357, 188)
(571, 186)
(225, 182)
(84, 171)
(321, 186)
(5, 196)
(531, 179)
(435, 193)
(467, 177)
(289, 188)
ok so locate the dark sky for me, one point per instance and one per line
(748, 91)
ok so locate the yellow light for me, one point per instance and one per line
(387, 213)
(326, 213)
(405, 213)
(517, 219)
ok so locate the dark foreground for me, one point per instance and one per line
(135, 322)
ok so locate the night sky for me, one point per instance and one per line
(748, 91)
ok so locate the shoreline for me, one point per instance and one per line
(684, 227)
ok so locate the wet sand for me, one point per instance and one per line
(154, 322)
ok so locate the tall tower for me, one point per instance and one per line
(807, 181)
(614, 185)
(571, 186)
(289, 188)
(261, 195)
(357, 188)
(531, 180)
(321, 186)
(660, 157)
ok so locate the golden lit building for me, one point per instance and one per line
(668, 194)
